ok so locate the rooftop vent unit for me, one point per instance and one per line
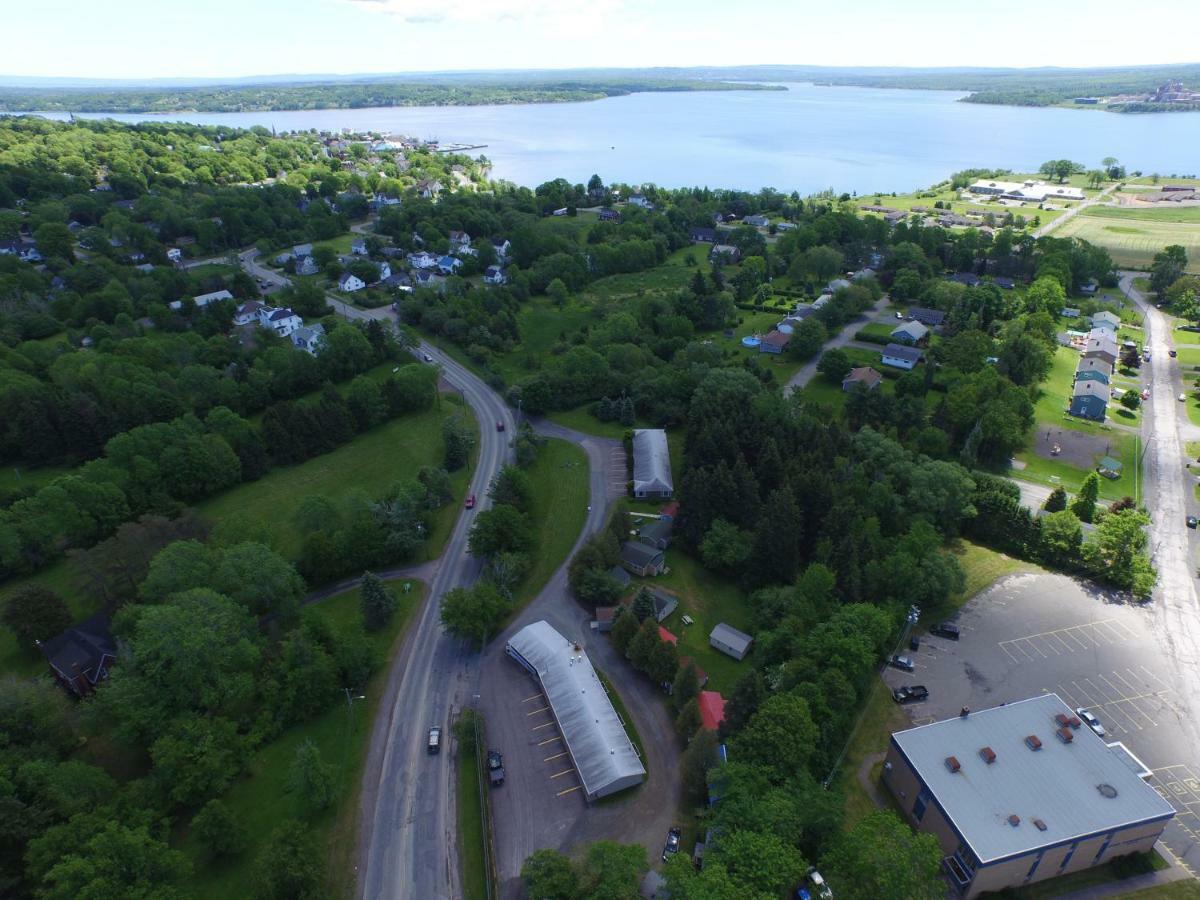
(1033, 743)
(1074, 722)
(988, 755)
(1039, 824)
(1014, 820)
(1065, 735)
(1062, 719)
(1107, 790)
(952, 763)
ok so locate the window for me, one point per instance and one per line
(922, 802)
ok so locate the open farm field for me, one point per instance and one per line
(1133, 242)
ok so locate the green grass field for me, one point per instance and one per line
(1133, 242)
(1170, 214)
(708, 599)
(16, 477)
(261, 798)
(371, 463)
(471, 829)
(583, 421)
(560, 482)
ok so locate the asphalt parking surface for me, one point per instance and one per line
(1032, 634)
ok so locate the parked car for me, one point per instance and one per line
(910, 693)
(1183, 398)
(427, 357)
(495, 763)
(901, 662)
(470, 501)
(1192, 522)
(1172, 354)
(820, 889)
(914, 642)
(946, 630)
(435, 739)
(1091, 721)
(672, 845)
(1145, 356)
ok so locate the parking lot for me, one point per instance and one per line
(547, 743)
(1031, 634)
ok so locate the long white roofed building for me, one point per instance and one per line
(651, 464)
(602, 752)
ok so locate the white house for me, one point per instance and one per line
(640, 200)
(385, 271)
(309, 338)
(757, 221)
(247, 313)
(459, 240)
(561, 211)
(349, 283)
(203, 300)
(1105, 319)
(174, 254)
(900, 357)
(448, 265)
(306, 265)
(358, 247)
(494, 275)
(422, 260)
(302, 250)
(282, 321)
(910, 333)
(503, 248)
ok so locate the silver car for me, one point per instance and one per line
(1091, 721)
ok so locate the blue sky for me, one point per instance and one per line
(221, 38)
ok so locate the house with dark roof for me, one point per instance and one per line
(1089, 406)
(350, 283)
(900, 357)
(1004, 283)
(664, 605)
(909, 333)
(931, 318)
(81, 656)
(610, 215)
(494, 275)
(620, 576)
(970, 279)
(703, 235)
(656, 533)
(726, 252)
(642, 559)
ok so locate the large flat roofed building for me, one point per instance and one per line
(1021, 793)
(601, 751)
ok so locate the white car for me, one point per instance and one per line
(1183, 398)
(1091, 721)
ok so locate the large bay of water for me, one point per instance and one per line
(806, 138)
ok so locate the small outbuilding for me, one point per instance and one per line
(80, 657)
(730, 641)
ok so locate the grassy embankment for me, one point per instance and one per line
(561, 482)
(473, 809)
(264, 509)
(262, 799)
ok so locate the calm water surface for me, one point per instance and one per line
(806, 138)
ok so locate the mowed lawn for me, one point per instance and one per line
(709, 599)
(561, 482)
(371, 463)
(1165, 212)
(1134, 241)
(261, 799)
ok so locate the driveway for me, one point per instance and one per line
(535, 808)
(843, 338)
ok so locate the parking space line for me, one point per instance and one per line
(534, 697)
(1150, 674)
(1128, 684)
(568, 790)
(543, 725)
(536, 711)
(555, 756)
(562, 773)
(550, 740)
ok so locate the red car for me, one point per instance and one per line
(470, 501)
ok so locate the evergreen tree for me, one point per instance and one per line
(1057, 501)
(218, 830)
(748, 694)
(687, 723)
(643, 604)
(1084, 506)
(625, 628)
(641, 648)
(310, 777)
(686, 685)
(378, 602)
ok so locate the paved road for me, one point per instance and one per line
(1169, 497)
(407, 825)
(806, 372)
